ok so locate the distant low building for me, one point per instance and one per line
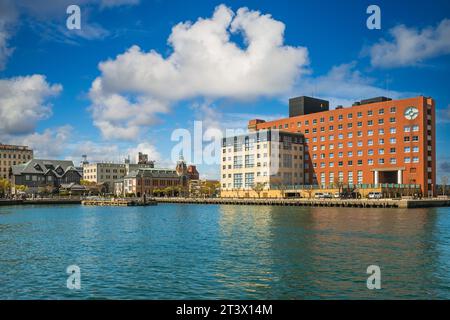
(146, 181)
(72, 189)
(38, 173)
(104, 173)
(108, 173)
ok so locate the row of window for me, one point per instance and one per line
(360, 162)
(340, 177)
(15, 156)
(370, 141)
(392, 130)
(102, 177)
(249, 180)
(102, 171)
(360, 153)
(360, 143)
(340, 118)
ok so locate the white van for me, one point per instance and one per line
(375, 195)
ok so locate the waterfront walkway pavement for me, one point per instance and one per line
(356, 203)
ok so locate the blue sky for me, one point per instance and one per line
(65, 105)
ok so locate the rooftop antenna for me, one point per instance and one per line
(387, 80)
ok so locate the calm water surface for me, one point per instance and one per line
(223, 252)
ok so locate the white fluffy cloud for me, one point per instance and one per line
(411, 46)
(205, 62)
(23, 102)
(50, 143)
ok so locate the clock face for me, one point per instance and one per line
(411, 113)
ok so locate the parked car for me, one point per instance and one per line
(318, 195)
(375, 195)
(327, 195)
(336, 195)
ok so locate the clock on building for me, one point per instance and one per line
(411, 113)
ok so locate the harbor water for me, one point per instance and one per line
(184, 251)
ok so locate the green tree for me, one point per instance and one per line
(258, 188)
(5, 186)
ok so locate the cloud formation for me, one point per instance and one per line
(49, 144)
(205, 62)
(24, 101)
(410, 46)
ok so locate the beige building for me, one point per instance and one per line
(104, 173)
(11, 155)
(265, 159)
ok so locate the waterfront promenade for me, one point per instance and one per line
(300, 202)
(356, 203)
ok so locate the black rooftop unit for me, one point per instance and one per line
(306, 105)
(374, 100)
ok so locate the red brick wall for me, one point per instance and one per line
(408, 175)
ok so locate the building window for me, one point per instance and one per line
(407, 160)
(237, 180)
(360, 177)
(249, 179)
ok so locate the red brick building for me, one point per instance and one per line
(374, 141)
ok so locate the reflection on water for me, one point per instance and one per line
(233, 252)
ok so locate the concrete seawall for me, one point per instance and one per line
(39, 202)
(355, 203)
(350, 203)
